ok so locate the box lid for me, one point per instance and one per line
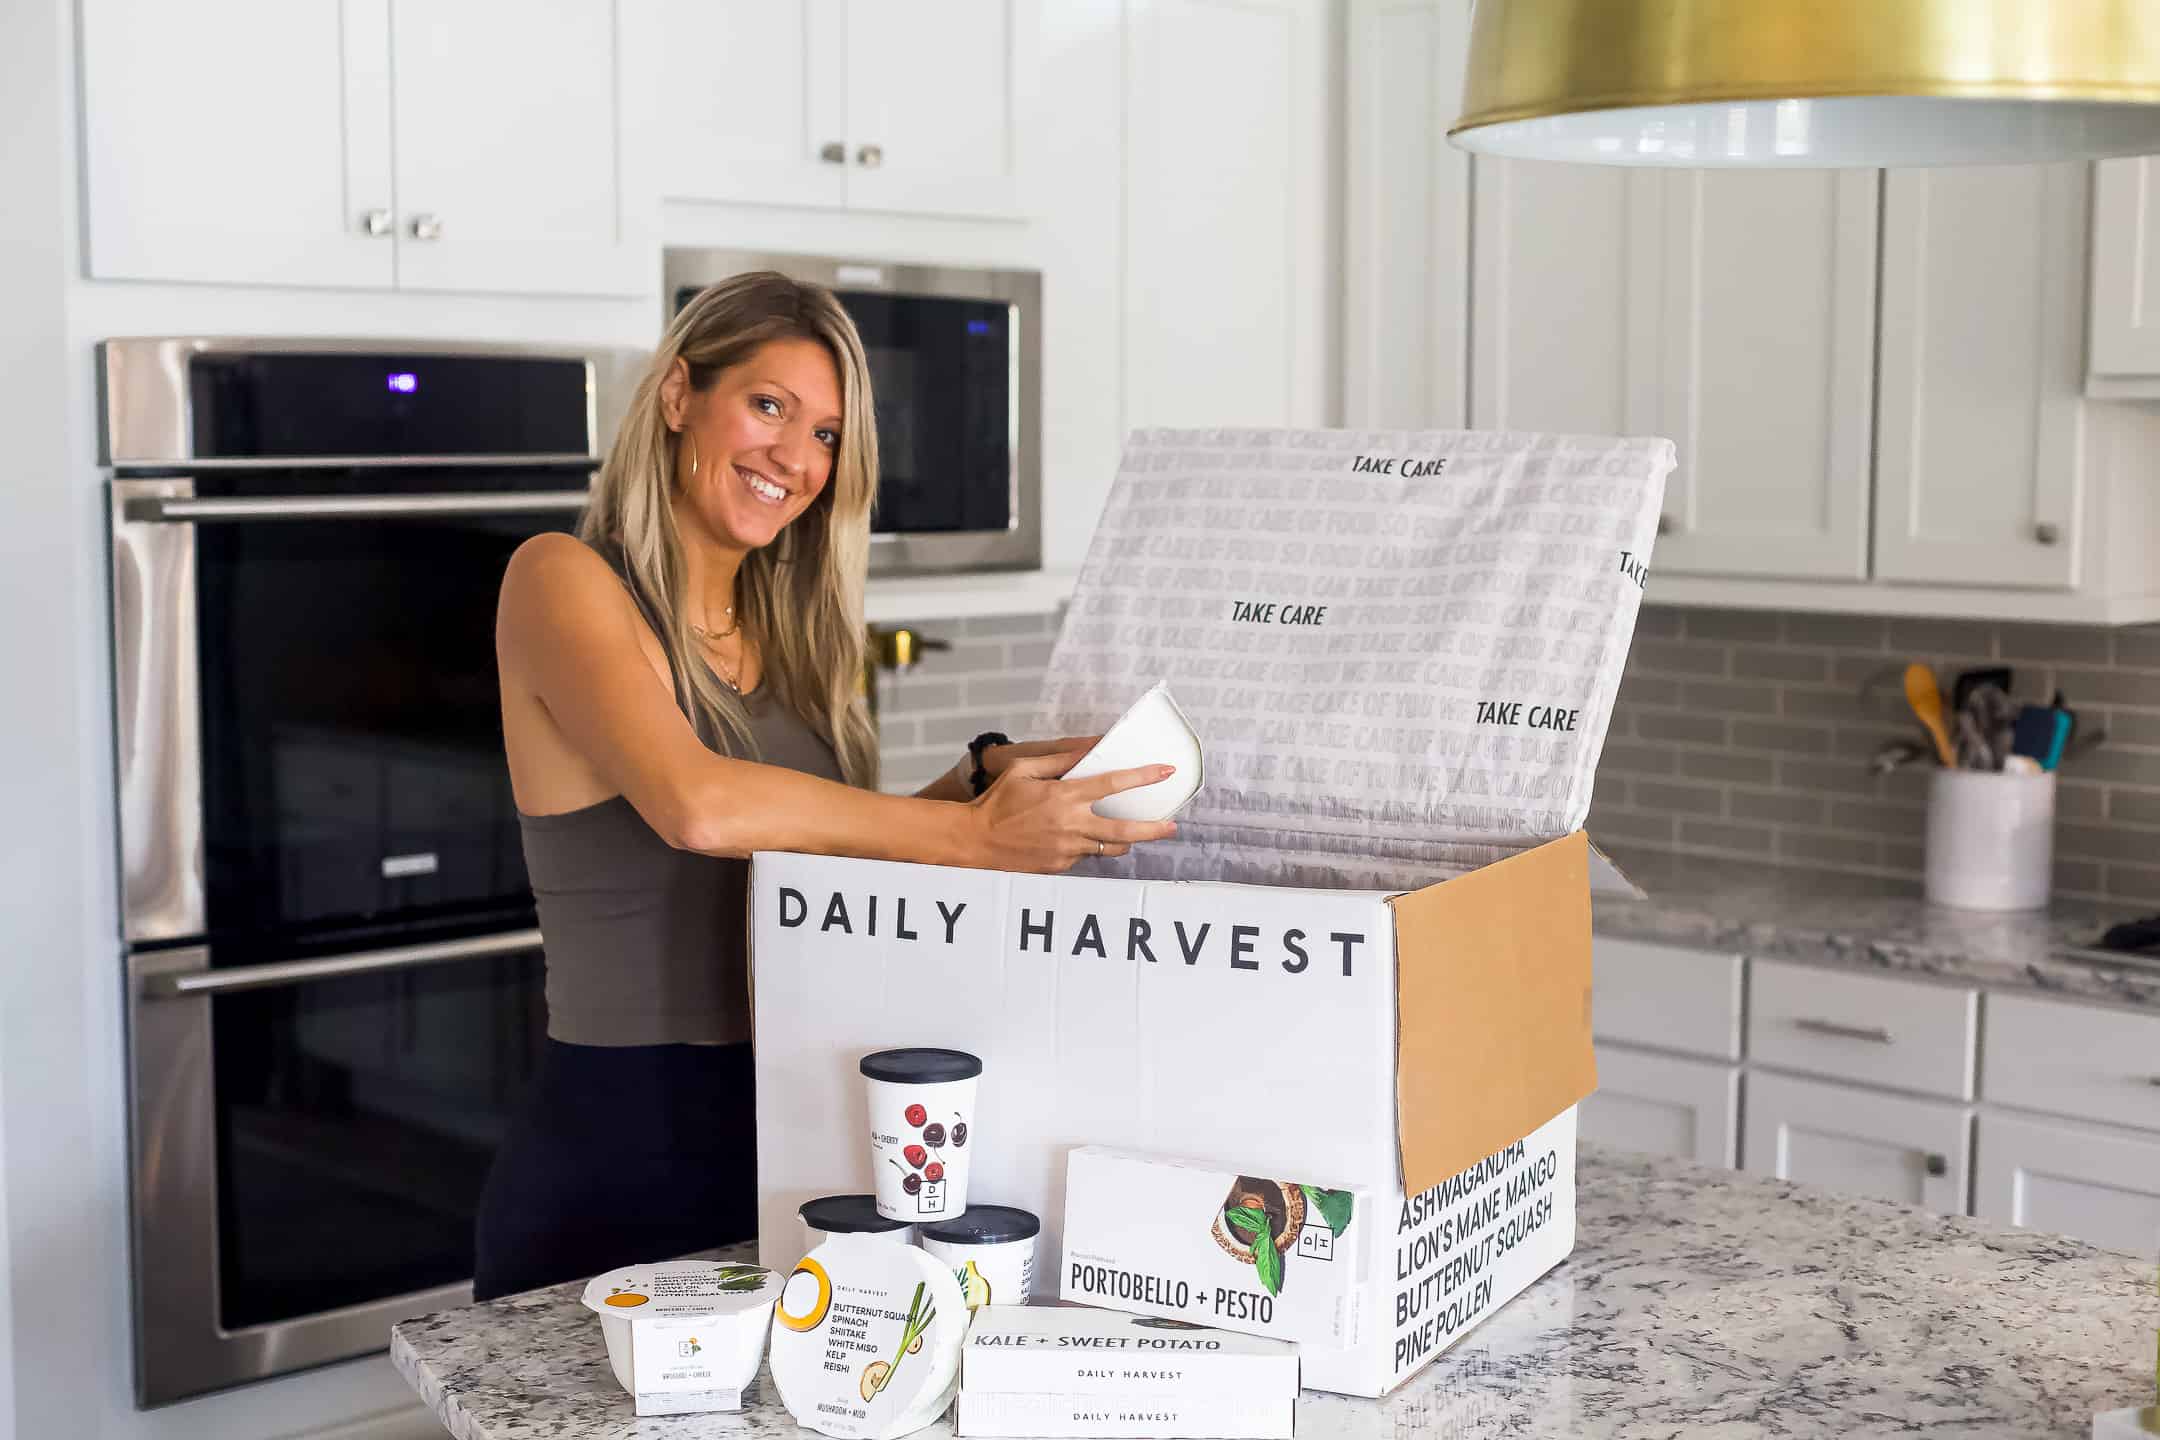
(1492, 1007)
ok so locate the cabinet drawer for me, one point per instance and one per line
(1665, 997)
(2077, 1060)
(1895, 1033)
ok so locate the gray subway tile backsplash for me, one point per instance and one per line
(1780, 741)
(1742, 733)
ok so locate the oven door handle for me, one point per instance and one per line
(172, 509)
(332, 967)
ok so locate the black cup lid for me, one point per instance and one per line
(847, 1215)
(984, 1225)
(921, 1067)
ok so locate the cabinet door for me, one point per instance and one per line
(2101, 1186)
(2125, 333)
(934, 104)
(1565, 276)
(1766, 371)
(510, 150)
(1665, 1106)
(1226, 307)
(1861, 1142)
(238, 141)
(1980, 455)
(1406, 310)
(753, 101)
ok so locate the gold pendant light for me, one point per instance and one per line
(1785, 83)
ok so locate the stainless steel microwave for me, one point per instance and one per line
(956, 369)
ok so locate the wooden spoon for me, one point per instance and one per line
(1925, 697)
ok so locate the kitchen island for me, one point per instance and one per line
(1695, 1298)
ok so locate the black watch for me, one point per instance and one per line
(979, 778)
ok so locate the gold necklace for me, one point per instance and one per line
(712, 639)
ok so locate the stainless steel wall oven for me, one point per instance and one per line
(956, 368)
(333, 970)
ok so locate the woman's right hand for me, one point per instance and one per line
(1031, 820)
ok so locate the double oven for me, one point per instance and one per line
(332, 966)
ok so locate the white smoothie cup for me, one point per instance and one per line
(994, 1244)
(922, 1115)
(831, 1215)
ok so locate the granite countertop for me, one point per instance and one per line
(1871, 923)
(1695, 1298)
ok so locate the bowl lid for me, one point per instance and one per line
(984, 1225)
(921, 1066)
(866, 1338)
(847, 1215)
(682, 1288)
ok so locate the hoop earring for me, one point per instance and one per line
(693, 453)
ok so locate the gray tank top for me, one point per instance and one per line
(647, 944)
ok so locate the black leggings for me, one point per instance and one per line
(621, 1155)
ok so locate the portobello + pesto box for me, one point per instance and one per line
(1281, 1258)
(1330, 1268)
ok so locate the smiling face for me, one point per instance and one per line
(765, 435)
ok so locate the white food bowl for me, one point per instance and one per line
(1152, 731)
(684, 1335)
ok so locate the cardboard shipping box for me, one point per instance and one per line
(1401, 1045)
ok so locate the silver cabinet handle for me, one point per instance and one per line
(376, 223)
(2047, 534)
(171, 509)
(1873, 1034)
(870, 156)
(833, 152)
(427, 227)
(332, 967)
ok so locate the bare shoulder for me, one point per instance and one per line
(552, 561)
(558, 591)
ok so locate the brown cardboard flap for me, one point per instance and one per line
(1493, 1008)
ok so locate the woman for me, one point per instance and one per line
(679, 690)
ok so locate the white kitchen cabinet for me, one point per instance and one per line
(510, 155)
(1766, 371)
(374, 144)
(1860, 1142)
(2098, 1185)
(1227, 114)
(1731, 312)
(1664, 1105)
(893, 105)
(1406, 311)
(1563, 299)
(772, 130)
(1981, 458)
(1666, 997)
(2123, 355)
(241, 141)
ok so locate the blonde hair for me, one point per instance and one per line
(799, 599)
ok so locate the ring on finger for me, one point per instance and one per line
(1100, 848)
